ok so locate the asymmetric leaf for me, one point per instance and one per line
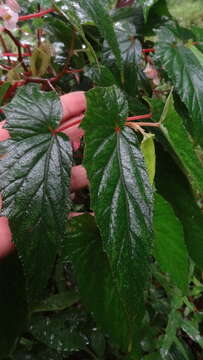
(121, 193)
(173, 185)
(101, 296)
(186, 73)
(169, 246)
(174, 131)
(35, 174)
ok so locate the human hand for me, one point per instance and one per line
(74, 105)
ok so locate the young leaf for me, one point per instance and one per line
(35, 174)
(101, 296)
(186, 73)
(40, 59)
(120, 191)
(148, 150)
(169, 246)
(174, 131)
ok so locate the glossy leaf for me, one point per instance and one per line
(59, 332)
(193, 332)
(58, 302)
(104, 23)
(174, 131)
(197, 53)
(74, 19)
(169, 246)
(102, 296)
(35, 175)
(186, 73)
(120, 191)
(173, 185)
(146, 5)
(148, 150)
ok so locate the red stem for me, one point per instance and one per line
(14, 54)
(36, 15)
(77, 122)
(62, 128)
(139, 117)
(148, 50)
(148, 124)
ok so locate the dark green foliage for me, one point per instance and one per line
(125, 280)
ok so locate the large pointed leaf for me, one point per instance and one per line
(35, 175)
(101, 296)
(174, 131)
(186, 73)
(173, 185)
(121, 193)
(169, 248)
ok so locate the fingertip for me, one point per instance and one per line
(6, 244)
(79, 179)
(73, 104)
(4, 134)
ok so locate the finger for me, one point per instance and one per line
(74, 214)
(79, 178)
(75, 135)
(4, 134)
(6, 244)
(73, 104)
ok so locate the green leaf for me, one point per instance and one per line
(60, 332)
(74, 19)
(173, 185)
(131, 51)
(35, 175)
(169, 246)
(186, 73)
(58, 302)
(148, 150)
(192, 331)
(40, 59)
(120, 192)
(13, 308)
(102, 296)
(3, 90)
(174, 131)
(146, 5)
(174, 322)
(104, 23)
(101, 77)
(37, 352)
(197, 53)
